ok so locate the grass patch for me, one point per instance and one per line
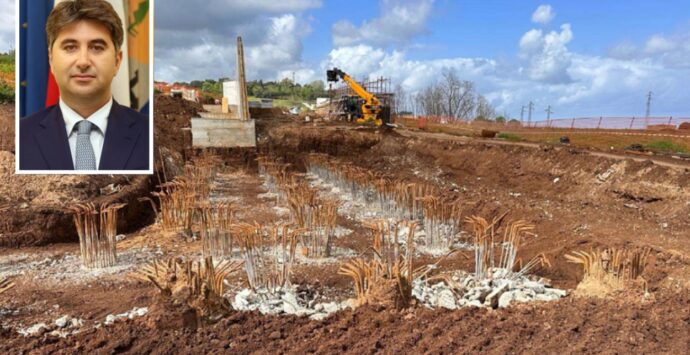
(6, 78)
(510, 136)
(666, 146)
(280, 102)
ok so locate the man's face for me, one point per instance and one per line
(83, 60)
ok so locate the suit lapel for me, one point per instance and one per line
(120, 138)
(52, 141)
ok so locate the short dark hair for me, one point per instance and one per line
(68, 12)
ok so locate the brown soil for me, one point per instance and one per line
(576, 201)
(572, 325)
(171, 115)
(7, 127)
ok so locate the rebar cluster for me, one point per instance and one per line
(200, 284)
(394, 199)
(97, 229)
(386, 278)
(178, 198)
(268, 252)
(613, 267)
(214, 222)
(317, 216)
(486, 238)
(185, 205)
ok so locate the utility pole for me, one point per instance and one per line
(649, 103)
(522, 114)
(548, 116)
(293, 86)
(529, 116)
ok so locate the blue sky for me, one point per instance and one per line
(584, 58)
(493, 28)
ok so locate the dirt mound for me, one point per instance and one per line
(171, 115)
(273, 112)
(37, 203)
(684, 126)
(586, 325)
(661, 127)
(334, 141)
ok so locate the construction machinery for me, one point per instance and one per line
(366, 108)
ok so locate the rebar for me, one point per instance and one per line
(97, 229)
(268, 252)
(618, 266)
(201, 284)
(484, 237)
(373, 278)
(214, 222)
(5, 284)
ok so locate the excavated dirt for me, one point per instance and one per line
(576, 201)
(572, 325)
(172, 121)
(7, 127)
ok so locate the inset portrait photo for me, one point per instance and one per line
(84, 74)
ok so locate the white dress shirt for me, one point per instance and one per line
(97, 137)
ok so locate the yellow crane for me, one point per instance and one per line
(372, 110)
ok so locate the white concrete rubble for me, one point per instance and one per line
(285, 301)
(498, 291)
(133, 313)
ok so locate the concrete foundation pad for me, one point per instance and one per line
(223, 133)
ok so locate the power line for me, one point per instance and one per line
(548, 116)
(522, 114)
(529, 117)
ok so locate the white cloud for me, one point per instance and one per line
(302, 75)
(531, 42)
(282, 46)
(543, 14)
(203, 46)
(400, 21)
(547, 56)
(356, 60)
(659, 44)
(573, 84)
(672, 50)
(623, 50)
(7, 25)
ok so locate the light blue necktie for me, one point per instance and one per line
(85, 158)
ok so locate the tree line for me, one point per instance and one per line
(283, 89)
(450, 97)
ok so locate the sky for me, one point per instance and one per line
(583, 58)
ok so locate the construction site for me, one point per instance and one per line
(348, 229)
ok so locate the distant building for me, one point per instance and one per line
(189, 93)
(162, 86)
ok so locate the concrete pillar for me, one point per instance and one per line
(224, 105)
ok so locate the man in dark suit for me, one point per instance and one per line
(87, 129)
